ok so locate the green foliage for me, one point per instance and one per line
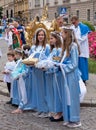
(92, 28)
(92, 66)
(1, 12)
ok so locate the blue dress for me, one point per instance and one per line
(51, 83)
(31, 79)
(38, 85)
(19, 69)
(70, 86)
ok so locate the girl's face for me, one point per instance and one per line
(52, 40)
(10, 58)
(17, 56)
(41, 36)
(63, 34)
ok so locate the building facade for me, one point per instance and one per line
(84, 9)
(15, 8)
(8, 8)
(21, 10)
(28, 9)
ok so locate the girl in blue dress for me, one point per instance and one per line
(50, 77)
(69, 82)
(39, 50)
(18, 82)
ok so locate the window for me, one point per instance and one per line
(11, 14)
(95, 15)
(88, 14)
(77, 13)
(47, 2)
(64, 1)
(7, 14)
(29, 4)
(56, 2)
(37, 3)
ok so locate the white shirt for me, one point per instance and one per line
(9, 38)
(82, 41)
(9, 67)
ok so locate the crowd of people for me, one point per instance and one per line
(52, 86)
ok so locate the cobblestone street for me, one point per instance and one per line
(26, 120)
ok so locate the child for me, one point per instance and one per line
(40, 50)
(70, 75)
(50, 77)
(18, 92)
(40, 43)
(9, 67)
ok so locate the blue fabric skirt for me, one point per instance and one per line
(49, 91)
(34, 89)
(57, 92)
(53, 91)
(83, 66)
(71, 111)
(15, 94)
(28, 85)
(39, 91)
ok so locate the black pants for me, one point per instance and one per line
(9, 87)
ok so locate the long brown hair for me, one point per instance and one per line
(70, 37)
(57, 36)
(45, 38)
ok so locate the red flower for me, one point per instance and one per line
(92, 44)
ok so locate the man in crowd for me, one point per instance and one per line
(81, 32)
(21, 30)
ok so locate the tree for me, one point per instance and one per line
(1, 12)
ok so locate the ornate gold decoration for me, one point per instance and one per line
(45, 13)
